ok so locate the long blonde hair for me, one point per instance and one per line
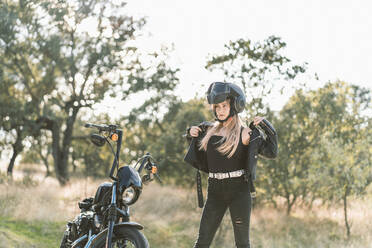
(230, 142)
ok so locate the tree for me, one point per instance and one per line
(257, 67)
(161, 134)
(13, 120)
(287, 175)
(88, 159)
(69, 55)
(40, 152)
(342, 161)
(172, 147)
(313, 127)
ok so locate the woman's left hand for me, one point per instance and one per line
(257, 120)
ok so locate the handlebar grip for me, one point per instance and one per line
(89, 125)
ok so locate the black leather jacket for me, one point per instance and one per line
(261, 143)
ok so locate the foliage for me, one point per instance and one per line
(343, 158)
(164, 139)
(257, 67)
(61, 68)
(287, 175)
(172, 147)
(86, 158)
(324, 147)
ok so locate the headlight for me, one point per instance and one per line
(130, 195)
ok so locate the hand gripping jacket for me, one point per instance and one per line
(261, 143)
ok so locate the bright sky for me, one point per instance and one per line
(334, 37)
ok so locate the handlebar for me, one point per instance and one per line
(118, 138)
(146, 159)
(102, 127)
(148, 165)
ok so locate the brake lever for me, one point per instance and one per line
(149, 176)
(155, 173)
(152, 170)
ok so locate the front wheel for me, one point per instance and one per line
(125, 237)
(64, 240)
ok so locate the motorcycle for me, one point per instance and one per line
(104, 220)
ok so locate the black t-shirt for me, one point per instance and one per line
(218, 162)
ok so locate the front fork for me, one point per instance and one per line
(112, 215)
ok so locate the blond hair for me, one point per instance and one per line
(230, 142)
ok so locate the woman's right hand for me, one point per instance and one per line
(194, 131)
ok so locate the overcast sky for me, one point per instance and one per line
(334, 37)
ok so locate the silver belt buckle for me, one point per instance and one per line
(221, 175)
(238, 173)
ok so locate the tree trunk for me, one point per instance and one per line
(61, 154)
(60, 173)
(17, 149)
(45, 161)
(47, 174)
(11, 163)
(289, 207)
(290, 203)
(275, 205)
(345, 213)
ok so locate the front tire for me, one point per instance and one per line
(64, 240)
(133, 236)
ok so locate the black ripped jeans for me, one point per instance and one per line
(232, 193)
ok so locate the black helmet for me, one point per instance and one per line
(220, 91)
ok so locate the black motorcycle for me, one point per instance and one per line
(104, 219)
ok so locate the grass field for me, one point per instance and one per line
(34, 215)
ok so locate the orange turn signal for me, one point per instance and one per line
(154, 170)
(114, 137)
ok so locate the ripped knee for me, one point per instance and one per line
(238, 221)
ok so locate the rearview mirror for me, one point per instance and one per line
(97, 139)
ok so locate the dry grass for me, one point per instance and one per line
(45, 201)
(171, 218)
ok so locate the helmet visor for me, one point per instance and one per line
(218, 93)
(218, 98)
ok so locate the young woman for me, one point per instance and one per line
(225, 149)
